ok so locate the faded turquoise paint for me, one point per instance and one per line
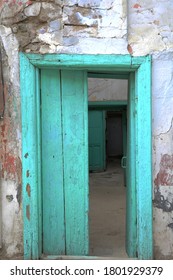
(143, 160)
(75, 149)
(39, 185)
(30, 158)
(52, 164)
(97, 141)
(87, 62)
(141, 66)
(131, 202)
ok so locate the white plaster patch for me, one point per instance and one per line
(145, 40)
(78, 31)
(162, 92)
(11, 47)
(103, 46)
(11, 219)
(156, 16)
(112, 32)
(85, 20)
(33, 10)
(51, 38)
(102, 4)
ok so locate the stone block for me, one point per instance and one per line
(50, 12)
(32, 10)
(81, 16)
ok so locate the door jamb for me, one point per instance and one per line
(31, 159)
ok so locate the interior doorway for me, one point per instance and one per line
(107, 192)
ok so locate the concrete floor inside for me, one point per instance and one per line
(107, 212)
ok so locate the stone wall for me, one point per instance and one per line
(91, 26)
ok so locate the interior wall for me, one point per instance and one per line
(114, 135)
(107, 89)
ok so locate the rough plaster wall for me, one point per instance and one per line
(150, 26)
(90, 26)
(162, 90)
(106, 89)
(67, 26)
(10, 147)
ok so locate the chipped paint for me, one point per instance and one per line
(19, 194)
(9, 198)
(166, 204)
(136, 6)
(165, 174)
(28, 189)
(28, 212)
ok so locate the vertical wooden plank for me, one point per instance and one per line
(52, 164)
(29, 158)
(144, 160)
(131, 210)
(39, 195)
(75, 141)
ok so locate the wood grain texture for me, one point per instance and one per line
(75, 147)
(39, 185)
(29, 158)
(131, 207)
(144, 161)
(52, 164)
(81, 61)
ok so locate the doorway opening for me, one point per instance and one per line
(107, 180)
(58, 158)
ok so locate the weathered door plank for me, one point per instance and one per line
(131, 209)
(52, 164)
(75, 147)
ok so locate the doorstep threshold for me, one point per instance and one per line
(69, 257)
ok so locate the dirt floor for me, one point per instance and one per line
(107, 212)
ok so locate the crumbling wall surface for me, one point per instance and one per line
(162, 94)
(10, 154)
(150, 26)
(67, 26)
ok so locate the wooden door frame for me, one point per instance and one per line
(31, 150)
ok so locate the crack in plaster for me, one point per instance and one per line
(164, 133)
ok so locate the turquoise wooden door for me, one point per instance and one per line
(131, 209)
(97, 126)
(64, 127)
